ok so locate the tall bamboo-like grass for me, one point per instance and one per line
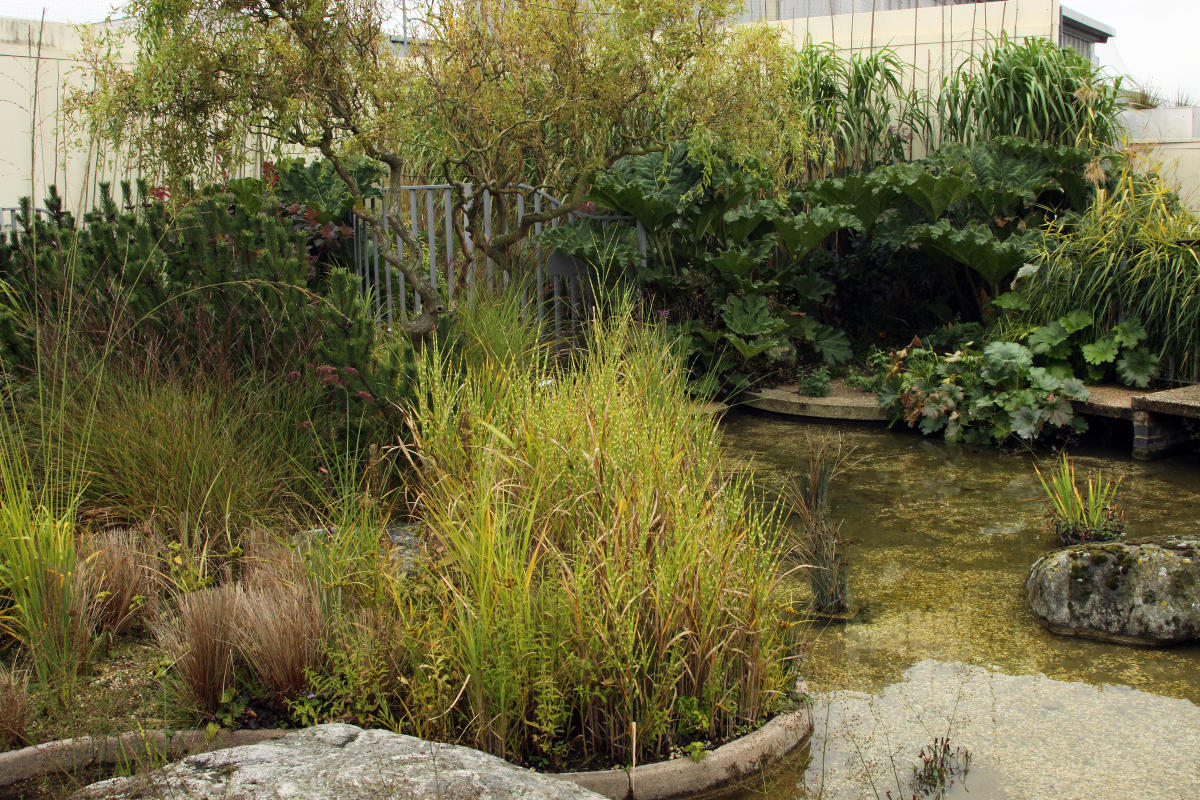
(1131, 254)
(1033, 89)
(856, 107)
(41, 577)
(599, 571)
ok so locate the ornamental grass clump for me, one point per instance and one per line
(1088, 515)
(44, 604)
(599, 573)
(819, 542)
(16, 707)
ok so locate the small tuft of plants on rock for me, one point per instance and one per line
(1079, 515)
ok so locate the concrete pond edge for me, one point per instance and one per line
(88, 751)
(743, 758)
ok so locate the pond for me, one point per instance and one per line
(943, 537)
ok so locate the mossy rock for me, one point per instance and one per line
(1146, 594)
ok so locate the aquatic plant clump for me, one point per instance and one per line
(605, 591)
(806, 497)
(1090, 515)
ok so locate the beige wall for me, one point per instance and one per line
(38, 64)
(1178, 160)
(935, 40)
(37, 144)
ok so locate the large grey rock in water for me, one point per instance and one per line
(1127, 593)
(339, 762)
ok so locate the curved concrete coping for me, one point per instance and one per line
(678, 778)
(743, 758)
(86, 751)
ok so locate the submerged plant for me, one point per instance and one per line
(941, 765)
(1089, 515)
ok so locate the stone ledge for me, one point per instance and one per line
(86, 751)
(843, 403)
(675, 779)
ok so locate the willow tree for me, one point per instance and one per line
(504, 95)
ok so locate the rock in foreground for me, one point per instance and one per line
(339, 762)
(1127, 593)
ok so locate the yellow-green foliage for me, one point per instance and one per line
(41, 580)
(1130, 255)
(598, 568)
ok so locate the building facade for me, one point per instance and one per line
(935, 30)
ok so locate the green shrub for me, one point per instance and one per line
(813, 381)
(1130, 256)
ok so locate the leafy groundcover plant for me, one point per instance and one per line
(979, 396)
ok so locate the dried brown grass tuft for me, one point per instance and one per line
(119, 579)
(200, 639)
(280, 631)
(16, 707)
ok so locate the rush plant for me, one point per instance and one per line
(1079, 515)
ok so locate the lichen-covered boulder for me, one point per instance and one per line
(1128, 593)
(339, 762)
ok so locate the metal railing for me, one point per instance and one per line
(560, 283)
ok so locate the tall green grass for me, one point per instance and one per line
(1132, 254)
(598, 571)
(41, 577)
(1033, 89)
(856, 108)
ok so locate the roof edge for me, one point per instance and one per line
(1090, 27)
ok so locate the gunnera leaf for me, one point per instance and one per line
(1012, 355)
(1129, 333)
(1077, 320)
(1026, 422)
(1047, 337)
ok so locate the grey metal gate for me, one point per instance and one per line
(560, 283)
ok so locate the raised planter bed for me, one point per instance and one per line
(744, 758)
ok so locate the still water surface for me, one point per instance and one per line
(943, 537)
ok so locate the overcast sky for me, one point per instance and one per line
(1156, 40)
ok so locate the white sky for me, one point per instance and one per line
(1156, 40)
